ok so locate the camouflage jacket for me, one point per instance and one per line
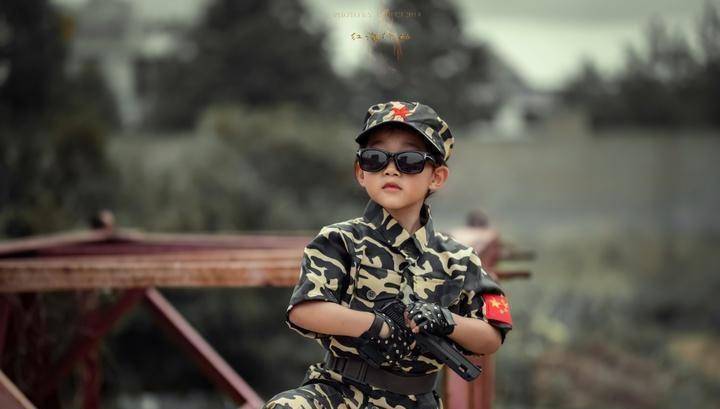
(363, 262)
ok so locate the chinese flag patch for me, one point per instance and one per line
(497, 308)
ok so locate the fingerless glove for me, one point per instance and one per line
(431, 318)
(385, 351)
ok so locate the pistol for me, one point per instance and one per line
(440, 347)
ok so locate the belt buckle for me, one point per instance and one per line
(341, 364)
(355, 370)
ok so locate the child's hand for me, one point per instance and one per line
(411, 324)
(429, 317)
(391, 343)
(413, 328)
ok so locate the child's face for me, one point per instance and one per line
(391, 188)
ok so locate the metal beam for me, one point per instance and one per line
(11, 397)
(95, 325)
(129, 241)
(209, 361)
(77, 274)
(4, 318)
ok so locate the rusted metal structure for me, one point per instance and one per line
(134, 264)
(479, 394)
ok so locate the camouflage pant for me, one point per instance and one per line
(327, 389)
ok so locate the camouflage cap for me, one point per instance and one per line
(419, 117)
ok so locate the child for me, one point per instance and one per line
(352, 268)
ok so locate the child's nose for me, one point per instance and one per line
(390, 169)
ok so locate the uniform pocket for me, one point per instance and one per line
(374, 286)
(444, 292)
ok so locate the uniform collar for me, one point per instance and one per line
(393, 233)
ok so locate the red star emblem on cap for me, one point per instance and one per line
(401, 112)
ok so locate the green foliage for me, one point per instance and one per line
(53, 169)
(255, 52)
(437, 64)
(87, 94)
(689, 266)
(246, 326)
(283, 168)
(32, 52)
(589, 336)
(669, 83)
(55, 180)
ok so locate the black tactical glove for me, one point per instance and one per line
(385, 351)
(431, 318)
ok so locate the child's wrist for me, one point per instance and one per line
(378, 328)
(377, 325)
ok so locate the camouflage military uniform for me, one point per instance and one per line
(365, 262)
(360, 264)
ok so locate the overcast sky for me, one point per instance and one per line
(543, 39)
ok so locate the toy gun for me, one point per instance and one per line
(439, 347)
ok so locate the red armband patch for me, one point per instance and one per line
(497, 308)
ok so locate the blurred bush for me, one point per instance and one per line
(246, 326)
(256, 52)
(54, 172)
(463, 79)
(671, 82)
(601, 335)
(282, 168)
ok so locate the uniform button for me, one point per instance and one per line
(371, 294)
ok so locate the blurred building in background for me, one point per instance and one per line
(124, 47)
(108, 35)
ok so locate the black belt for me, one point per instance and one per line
(359, 371)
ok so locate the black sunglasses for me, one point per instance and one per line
(375, 160)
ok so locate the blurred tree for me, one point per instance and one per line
(31, 53)
(709, 36)
(257, 53)
(654, 88)
(283, 168)
(52, 161)
(463, 80)
(588, 83)
(87, 92)
(589, 89)
(667, 83)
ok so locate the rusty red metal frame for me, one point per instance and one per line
(11, 397)
(133, 260)
(4, 317)
(137, 262)
(113, 272)
(96, 325)
(480, 393)
(209, 361)
(130, 241)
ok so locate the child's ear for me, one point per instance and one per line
(359, 175)
(439, 176)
